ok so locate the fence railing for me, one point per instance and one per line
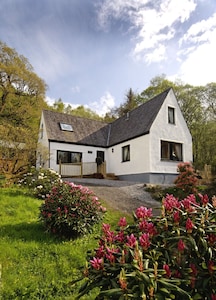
(77, 169)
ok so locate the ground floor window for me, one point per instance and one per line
(171, 151)
(126, 153)
(67, 157)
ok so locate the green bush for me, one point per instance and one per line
(172, 256)
(70, 210)
(40, 181)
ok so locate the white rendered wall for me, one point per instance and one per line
(162, 130)
(139, 157)
(89, 153)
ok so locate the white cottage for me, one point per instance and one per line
(145, 145)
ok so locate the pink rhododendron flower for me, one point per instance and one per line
(120, 237)
(143, 212)
(167, 269)
(181, 246)
(176, 217)
(188, 203)
(204, 199)
(97, 263)
(170, 202)
(144, 241)
(131, 241)
(122, 222)
(189, 225)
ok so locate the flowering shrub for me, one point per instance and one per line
(70, 210)
(187, 179)
(172, 256)
(40, 181)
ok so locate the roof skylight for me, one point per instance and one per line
(66, 127)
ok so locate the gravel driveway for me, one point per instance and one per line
(125, 196)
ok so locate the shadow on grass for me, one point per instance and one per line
(27, 232)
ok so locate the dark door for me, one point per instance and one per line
(101, 155)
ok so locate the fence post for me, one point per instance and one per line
(81, 169)
(60, 166)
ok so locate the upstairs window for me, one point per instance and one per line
(126, 153)
(68, 157)
(171, 115)
(171, 151)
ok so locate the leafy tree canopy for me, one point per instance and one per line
(22, 95)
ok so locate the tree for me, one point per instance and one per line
(22, 95)
(130, 103)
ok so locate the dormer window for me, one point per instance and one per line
(66, 127)
(171, 115)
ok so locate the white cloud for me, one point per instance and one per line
(104, 105)
(50, 100)
(155, 22)
(199, 53)
(202, 31)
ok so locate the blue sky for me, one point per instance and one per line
(90, 52)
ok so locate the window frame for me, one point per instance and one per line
(171, 115)
(69, 157)
(171, 151)
(126, 156)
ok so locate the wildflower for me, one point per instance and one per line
(181, 246)
(144, 241)
(97, 263)
(213, 296)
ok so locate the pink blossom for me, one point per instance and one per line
(143, 212)
(122, 222)
(188, 202)
(97, 263)
(100, 251)
(170, 202)
(167, 269)
(148, 227)
(131, 241)
(176, 217)
(105, 227)
(213, 296)
(204, 199)
(181, 246)
(144, 241)
(189, 225)
(120, 237)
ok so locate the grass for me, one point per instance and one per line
(35, 264)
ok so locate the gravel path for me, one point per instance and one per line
(125, 196)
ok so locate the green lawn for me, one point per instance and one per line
(34, 264)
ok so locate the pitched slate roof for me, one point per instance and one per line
(95, 133)
(138, 122)
(85, 131)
